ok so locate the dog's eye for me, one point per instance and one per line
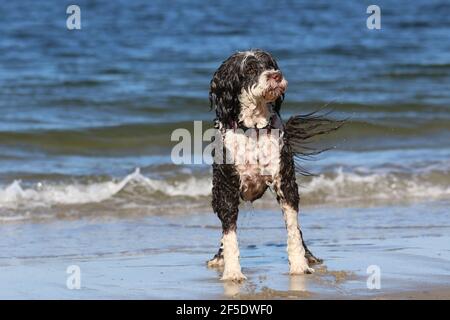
(250, 70)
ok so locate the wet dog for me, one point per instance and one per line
(247, 92)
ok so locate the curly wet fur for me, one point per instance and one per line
(237, 72)
(234, 87)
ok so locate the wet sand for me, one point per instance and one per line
(163, 257)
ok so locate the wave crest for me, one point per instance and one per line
(14, 195)
(136, 190)
(341, 186)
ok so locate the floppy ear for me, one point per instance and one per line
(224, 92)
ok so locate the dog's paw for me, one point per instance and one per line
(300, 268)
(236, 276)
(216, 262)
(312, 259)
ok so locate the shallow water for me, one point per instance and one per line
(164, 257)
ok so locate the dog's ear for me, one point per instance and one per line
(224, 91)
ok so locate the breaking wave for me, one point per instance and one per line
(190, 193)
(341, 186)
(15, 195)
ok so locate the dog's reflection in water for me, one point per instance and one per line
(232, 289)
(297, 283)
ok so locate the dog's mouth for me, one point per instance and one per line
(273, 93)
(276, 86)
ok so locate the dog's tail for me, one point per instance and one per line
(300, 131)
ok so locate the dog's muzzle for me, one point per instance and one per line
(276, 85)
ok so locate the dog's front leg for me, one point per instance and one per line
(298, 263)
(286, 190)
(225, 201)
(232, 268)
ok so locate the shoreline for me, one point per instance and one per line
(164, 257)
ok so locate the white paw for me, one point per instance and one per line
(300, 268)
(237, 276)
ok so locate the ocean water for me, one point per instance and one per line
(86, 115)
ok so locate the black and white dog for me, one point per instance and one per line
(246, 93)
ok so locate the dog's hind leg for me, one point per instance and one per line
(225, 202)
(217, 260)
(308, 254)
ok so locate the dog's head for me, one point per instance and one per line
(253, 74)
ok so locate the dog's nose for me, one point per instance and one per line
(277, 76)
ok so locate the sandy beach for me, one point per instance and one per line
(163, 257)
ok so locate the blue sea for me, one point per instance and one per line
(86, 115)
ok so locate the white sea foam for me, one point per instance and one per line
(14, 195)
(192, 187)
(345, 186)
(331, 187)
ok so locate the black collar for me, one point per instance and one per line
(271, 125)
